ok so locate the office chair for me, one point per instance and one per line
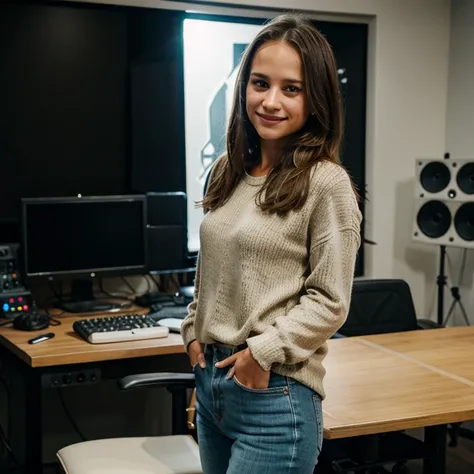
(175, 454)
(377, 307)
(456, 431)
(381, 307)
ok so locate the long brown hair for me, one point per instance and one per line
(286, 187)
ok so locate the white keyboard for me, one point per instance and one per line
(128, 335)
(119, 328)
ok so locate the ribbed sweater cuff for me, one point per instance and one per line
(188, 336)
(266, 349)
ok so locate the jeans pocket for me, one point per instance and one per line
(282, 390)
(318, 410)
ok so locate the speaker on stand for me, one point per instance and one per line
(444, 215)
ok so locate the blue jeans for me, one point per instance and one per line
(277, 430)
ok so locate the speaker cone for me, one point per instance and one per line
(434, 219)
(465, 178)
(464, 221)
(435, 177)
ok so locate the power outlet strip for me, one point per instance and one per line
(72, 378)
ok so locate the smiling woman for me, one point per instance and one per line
(276, 105)
(309, 104)
(275, 269)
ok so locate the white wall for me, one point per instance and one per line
(407, 102)
(459, 123)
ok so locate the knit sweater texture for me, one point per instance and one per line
(280, 284)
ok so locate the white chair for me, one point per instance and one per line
(176, 454)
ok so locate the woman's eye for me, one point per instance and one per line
(260, 83)
(293, 89)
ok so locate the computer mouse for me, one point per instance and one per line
(31, 321)
(173, 324)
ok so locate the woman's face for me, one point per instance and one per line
(276, 101)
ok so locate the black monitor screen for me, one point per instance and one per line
(83, 235)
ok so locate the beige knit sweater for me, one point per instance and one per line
(280, 284)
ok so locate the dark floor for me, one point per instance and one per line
(459, 460)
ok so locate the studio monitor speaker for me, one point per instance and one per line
(167, 231)
(166, 248)
(166, 208)
(444, 202)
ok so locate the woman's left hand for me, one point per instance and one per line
(246, 370)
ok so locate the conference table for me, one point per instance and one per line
(374, 384)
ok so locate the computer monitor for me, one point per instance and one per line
(81, 238)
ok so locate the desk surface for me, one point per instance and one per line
(447, 351)
(398, 381)
(374, 384)
(68, 348)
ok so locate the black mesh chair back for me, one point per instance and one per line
(378, 307)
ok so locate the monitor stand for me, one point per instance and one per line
(82, 300)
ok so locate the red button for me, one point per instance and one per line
(25, 308)
(20, 299)
(11, 300)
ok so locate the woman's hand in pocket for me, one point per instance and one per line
(196, 354)
(246, 370)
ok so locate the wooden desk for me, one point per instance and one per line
(65, 353)
(374, 384)
(68, 348)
